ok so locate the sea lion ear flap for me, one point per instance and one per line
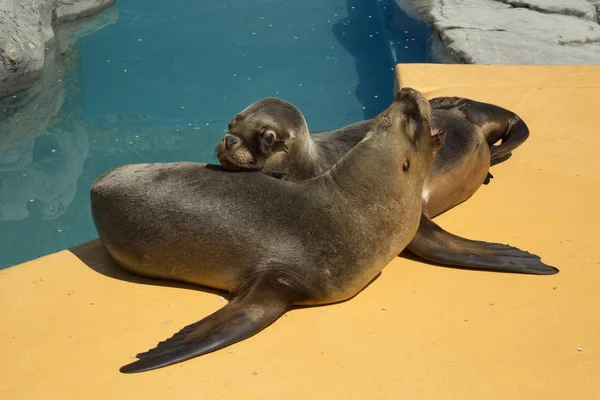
(283, 144)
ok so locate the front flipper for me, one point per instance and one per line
(255, 307)
(434, 244)
(488, 178)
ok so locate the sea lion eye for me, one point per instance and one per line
(229, 126)
(269, 137)
(406, 165)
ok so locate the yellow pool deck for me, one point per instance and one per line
(418, 332)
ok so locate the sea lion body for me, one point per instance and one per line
(268, 242)
(459, 169)
(461, 165)
(271, 136)
(242, 230)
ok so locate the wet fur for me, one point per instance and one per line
(473, 130)
(269, 242)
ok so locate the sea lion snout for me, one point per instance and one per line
(409, 96)
(421, 127)
(414, 104)
(232, 154)
(230, 140)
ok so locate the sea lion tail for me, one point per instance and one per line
(514, 135)
(251, 310)
(434, 244)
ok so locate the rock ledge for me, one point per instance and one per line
(27, 31)
(546, 32)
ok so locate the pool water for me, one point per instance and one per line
(161, 82)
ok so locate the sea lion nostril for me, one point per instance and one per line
(230, 140)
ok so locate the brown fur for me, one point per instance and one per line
(268, 242)
(460, 167)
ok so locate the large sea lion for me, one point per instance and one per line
(271, 136)
(270, 243)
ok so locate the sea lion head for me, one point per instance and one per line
(410, 116)
(261, 136)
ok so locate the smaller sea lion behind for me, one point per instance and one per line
(268, 242)
(271, 136)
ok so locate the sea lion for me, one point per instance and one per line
(271, 136)
(270, 243)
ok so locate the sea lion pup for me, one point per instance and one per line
(271, 136)
(268, 242)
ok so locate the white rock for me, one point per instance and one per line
(26, 30)
(30, 112)
(483, 47)
(578, 8)
(516, 31)
(70, 10)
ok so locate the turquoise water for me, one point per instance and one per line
(163, 78)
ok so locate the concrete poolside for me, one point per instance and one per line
(418, 332)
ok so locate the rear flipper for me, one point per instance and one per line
(434, 244)
(515, 134)
(254, 308)
(497, 124)
(488, 178)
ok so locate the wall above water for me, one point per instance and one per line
(543, 32)
(28, 31)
